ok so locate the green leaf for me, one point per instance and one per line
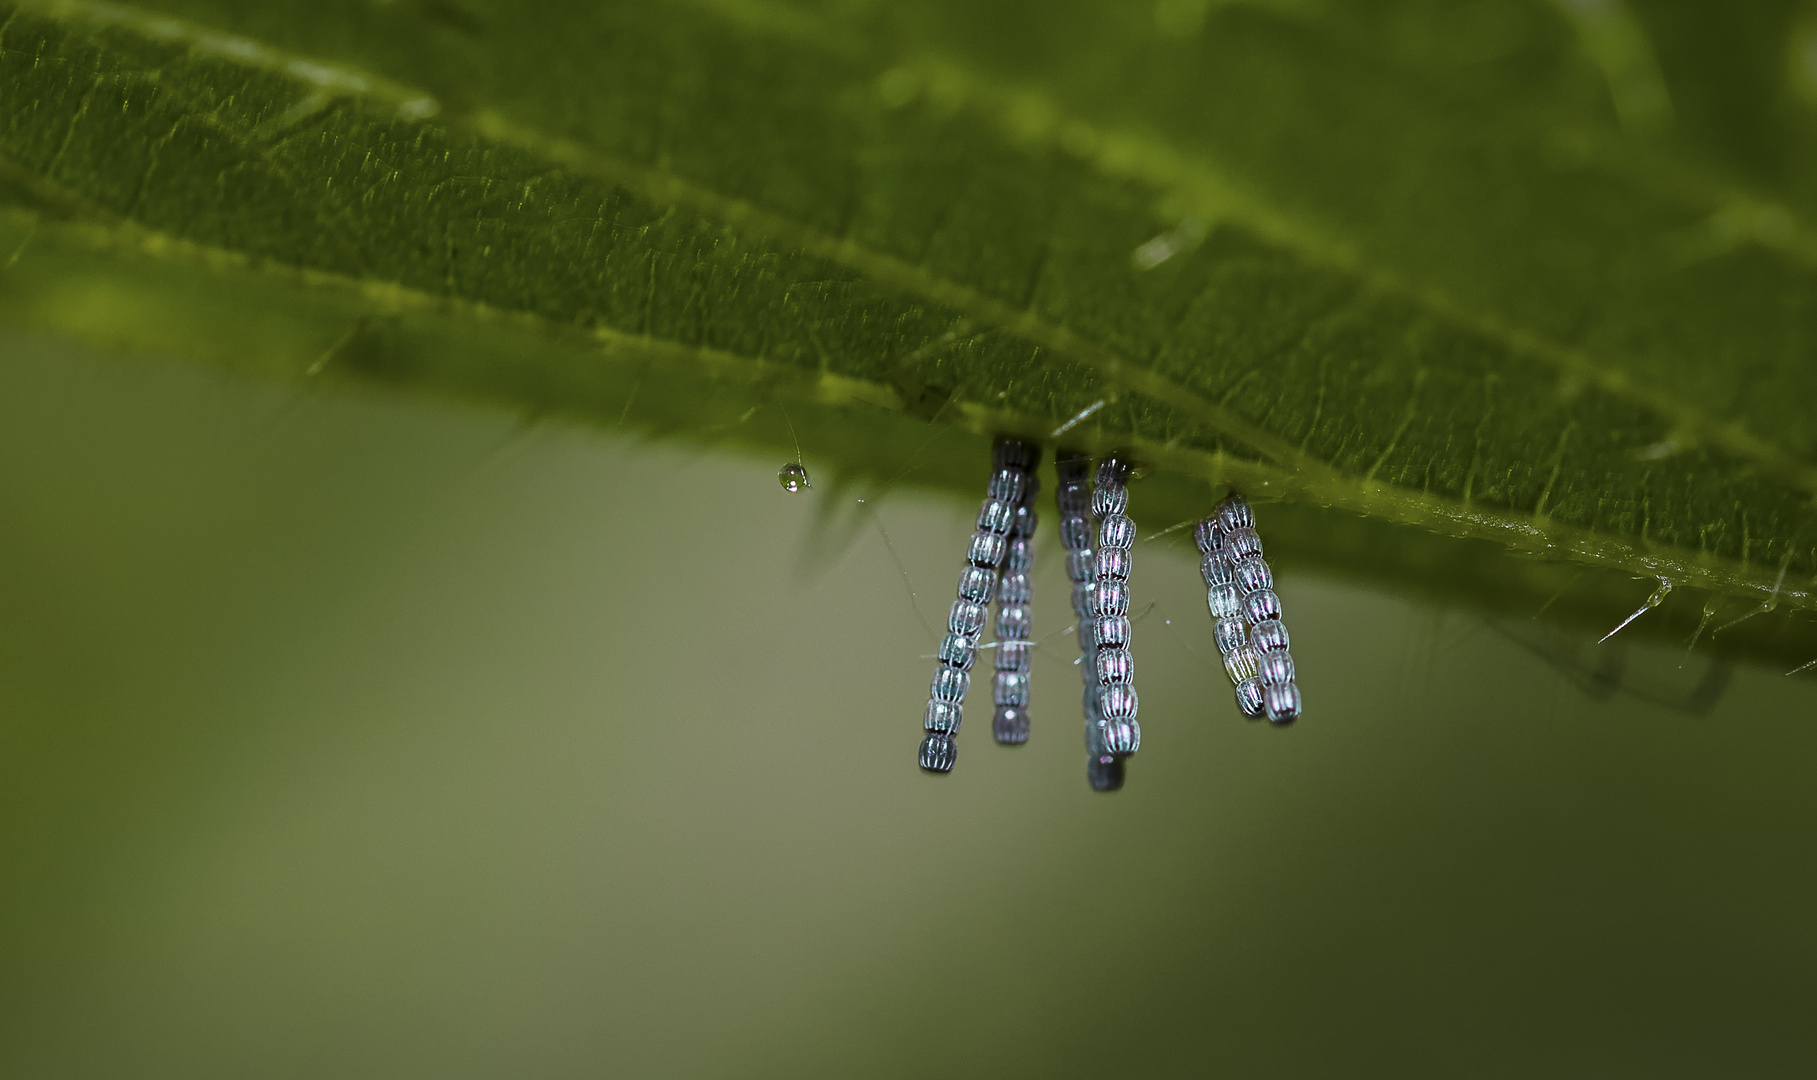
(1509, 300)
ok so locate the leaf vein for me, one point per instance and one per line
(1318, 484)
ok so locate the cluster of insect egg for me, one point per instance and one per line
(1116, 671)
(1015, 621)
(1249, 631)
(1003, 507)
(1073, 499)
(1239, 591)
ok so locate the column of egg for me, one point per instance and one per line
(977, 584)
(1116, 671)
(1249, 631)
(1229, 629)
(1072, 498)
(1010, 687)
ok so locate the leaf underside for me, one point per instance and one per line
(1510, 300)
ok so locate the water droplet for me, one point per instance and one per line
(793, 477)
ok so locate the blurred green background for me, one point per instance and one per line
(342, 735)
